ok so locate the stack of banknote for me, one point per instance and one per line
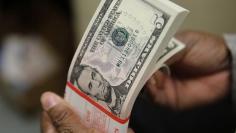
(124, 44)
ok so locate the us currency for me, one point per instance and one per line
(119, 48)
(173, 47)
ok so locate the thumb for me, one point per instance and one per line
(62, 116)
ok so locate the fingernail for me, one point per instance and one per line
(49, 100)
(153, 81)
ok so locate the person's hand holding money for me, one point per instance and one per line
(60, 117)
(201, 75)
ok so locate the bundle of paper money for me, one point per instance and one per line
(124, 44)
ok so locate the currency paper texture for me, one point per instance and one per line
(115, 57)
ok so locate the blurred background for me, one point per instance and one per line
(215, 16)
(36, 48)
(39, 37)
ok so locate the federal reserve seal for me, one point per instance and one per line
(120, 36)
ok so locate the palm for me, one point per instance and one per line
(200, 76)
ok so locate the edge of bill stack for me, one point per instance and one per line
(177, 15)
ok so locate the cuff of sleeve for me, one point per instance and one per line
(231, 43)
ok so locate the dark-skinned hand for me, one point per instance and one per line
(200, 74)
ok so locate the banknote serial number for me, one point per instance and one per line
(127, 49)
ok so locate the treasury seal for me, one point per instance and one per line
(120, 36)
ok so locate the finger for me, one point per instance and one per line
(162, 88)
(156, 81)
(188, 37)
(46, 124)
(63, 117)
(152, 85)
(155, 86)
(202, 91)
(130, 130)
(205, 53)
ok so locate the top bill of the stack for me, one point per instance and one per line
(120, 45)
